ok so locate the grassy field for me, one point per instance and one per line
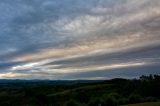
(145, 104)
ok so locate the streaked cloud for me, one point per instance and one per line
(68, 39)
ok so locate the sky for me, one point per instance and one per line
(79, 39)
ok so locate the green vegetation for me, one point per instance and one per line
(79, 93)
(145, 104)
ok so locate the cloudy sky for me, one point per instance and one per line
(79, 39)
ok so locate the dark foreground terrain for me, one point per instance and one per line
(80, 92)
(144, 104)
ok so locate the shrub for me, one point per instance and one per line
(115, 95)
(110, 101)
(72, 103)
(134, 98)
(150, 99)
(82, 97)
(123, 101)
(95, 102)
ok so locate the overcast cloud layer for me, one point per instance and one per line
(79, 39)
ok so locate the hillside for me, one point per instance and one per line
(80, 93)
